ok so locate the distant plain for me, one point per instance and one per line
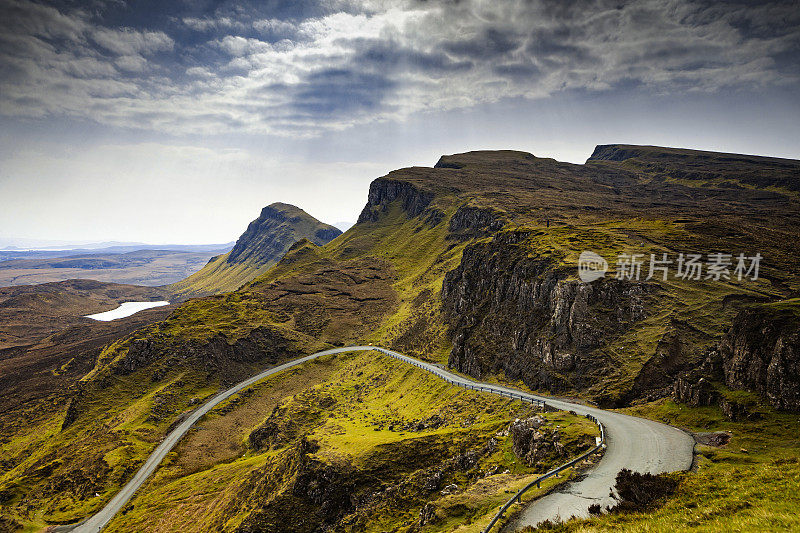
(147, 267)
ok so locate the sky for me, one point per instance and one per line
(175, 122)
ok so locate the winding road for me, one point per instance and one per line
(635, 443)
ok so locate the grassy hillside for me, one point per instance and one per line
(31, 312)
(363, 422)
(377, 422)
(218, 275)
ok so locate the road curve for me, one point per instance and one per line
(635, 443)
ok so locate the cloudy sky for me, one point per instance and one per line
(177, 121)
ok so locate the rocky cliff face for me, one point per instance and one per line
(384, 191)
(518, 314)
(761, 353)
(279, 226)
(532, 443)
(473, 221)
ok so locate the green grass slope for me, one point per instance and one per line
(218, 275)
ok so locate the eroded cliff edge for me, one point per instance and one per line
(518, 313)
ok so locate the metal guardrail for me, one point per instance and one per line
(462, 382)
(538, 481)
(510, 394)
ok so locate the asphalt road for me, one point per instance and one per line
(634, 443)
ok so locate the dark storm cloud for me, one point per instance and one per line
(490, 44)
(519, 71)
(334, 91)
(302, 67)
(392, 56)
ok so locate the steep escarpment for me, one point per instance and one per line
(261, 246)
(517, 313)
(471, 221)
(761, 353)
(384, 191)
(278, 227)
(514, 307)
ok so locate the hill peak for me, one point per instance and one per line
(286, 209)
(265, 241)
(278, 226)
(482, 157)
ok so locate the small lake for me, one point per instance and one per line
(126, 309)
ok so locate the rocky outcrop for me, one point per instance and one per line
(516, 313)
(468, 460)
(701, 387)
(284, 424)
(532, 443)
(761, 353)
(73, 407)
(472, 221)
(427, 515)
(737, 411)
(676, 353)
(384, 191)
(278, 227)
(299, 493)
(328, 488)
(696, 393)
